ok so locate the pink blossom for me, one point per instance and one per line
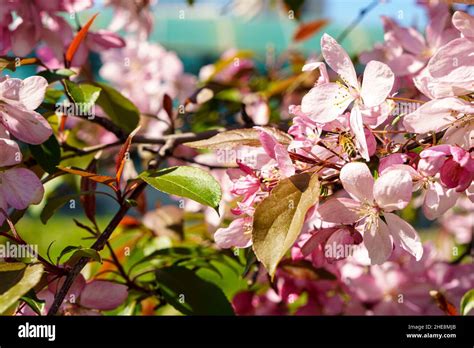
(145, 72)
(19, 187)
(83, 298)
(436, 199)
(133, 16)
(60, 36)
(325, 102)
(450, 71)
(371, 200)
(18, 100)
(455, 165)
(277, 152)
(459, 221)
(238, 234)
(34, 19)
(329, 244)
(396, 158)
(249, 303)
(453, 114)
(257, 108)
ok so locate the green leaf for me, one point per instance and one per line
(34, 302)
(120, 109)
(279, 218)
(56, 75)
(467, 302)
(67, 250)
(85, 252)
(84, 94)
(47, 154)
(188, 182)
(16, 280)
(226, 274)
(190, 294)
(231, 94)
(53, 96)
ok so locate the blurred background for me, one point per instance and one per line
(202, 31)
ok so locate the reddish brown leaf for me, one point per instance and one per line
(141, 203)
(120, 164)
(62, 127)
(129, 222)
(78, 39)
(307, 30)
(443, 303)
(103, 179)
(88, 185)
(168, 105)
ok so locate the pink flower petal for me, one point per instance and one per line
(234, 235)
(390, 160)
(27, 126)
(75, 290)
(323, 78)
(339, 210)
(393, 189)
(285, 164)
(460, 136)
(338, 239)
(339, 61)
(324, 103)
(318, 237)
(32, 92)
(103, 39)
(268, 141)
(436, 151)
(358, 129)
(20, 187)
(404, 235)
(377, 241)
(433, 115)
(452, 175)
(10, 153)
(358, 181)
(435, 30)
(9, 90)
(24, 39)
(410, 39)
(405, 64)
(453, 62)
(103, 295)
(4, 206)
(438, 200)
(377, 83)
(464, 23)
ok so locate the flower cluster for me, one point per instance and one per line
(373, 162)
(20, 187)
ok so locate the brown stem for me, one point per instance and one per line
(98, 245)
